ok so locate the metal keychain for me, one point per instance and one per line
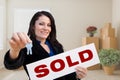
(29, 48)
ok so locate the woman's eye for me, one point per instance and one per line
(40, 23)
(49, 25)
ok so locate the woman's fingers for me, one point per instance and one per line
(12, 43)
(78, 68)
(19, 40)
(22, 37)
(15, 38)
(27, 38)
(81, 72)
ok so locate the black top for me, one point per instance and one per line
(38, 53)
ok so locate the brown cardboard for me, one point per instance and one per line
(109, 42)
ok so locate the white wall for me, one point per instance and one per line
(2, 30)
(116, 17)
(72, 17)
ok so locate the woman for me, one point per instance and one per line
(42, 34)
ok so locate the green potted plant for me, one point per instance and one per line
(109, 58)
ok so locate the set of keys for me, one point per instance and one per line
(29, 48)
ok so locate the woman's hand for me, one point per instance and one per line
(81, 72)
(17, 42)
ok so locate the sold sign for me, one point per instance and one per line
(64, 63)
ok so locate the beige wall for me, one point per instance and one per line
(3, 30)
(116, 17)
(72, 17)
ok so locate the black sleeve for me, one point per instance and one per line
(71, 76)
(16, 63)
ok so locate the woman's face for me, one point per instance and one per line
(42, 27)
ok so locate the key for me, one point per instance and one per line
(29, 48)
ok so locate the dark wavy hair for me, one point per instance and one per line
(52, 35)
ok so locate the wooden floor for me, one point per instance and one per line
(92, 75)
(100, 75)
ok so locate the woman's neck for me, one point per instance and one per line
(42, 41)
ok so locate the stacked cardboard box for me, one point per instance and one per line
(107, 37)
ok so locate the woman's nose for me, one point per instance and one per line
(45, 27)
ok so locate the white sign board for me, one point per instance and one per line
(64, 63)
